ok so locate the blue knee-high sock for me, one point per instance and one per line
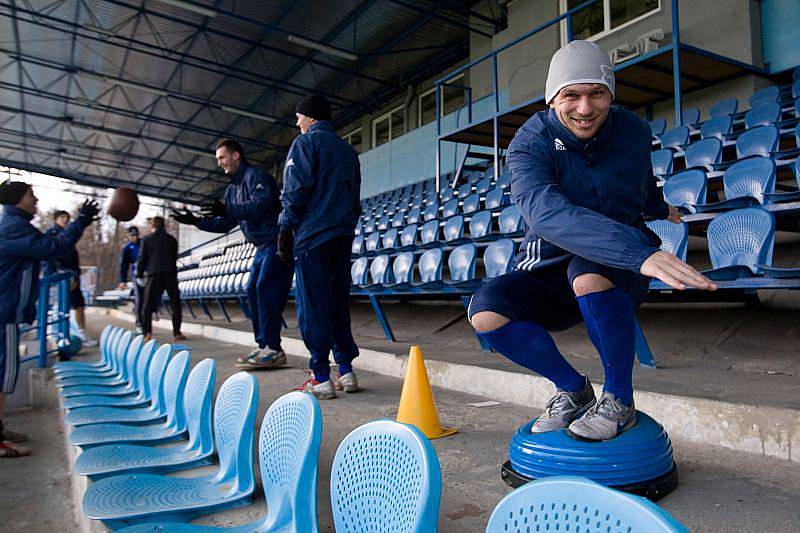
(528, 344)
(611, 323)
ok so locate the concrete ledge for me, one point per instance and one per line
(768, 431)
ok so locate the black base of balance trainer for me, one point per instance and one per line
(638, 461)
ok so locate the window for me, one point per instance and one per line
(388, 126)
(605, 16)
(354, 138)
(452, 99)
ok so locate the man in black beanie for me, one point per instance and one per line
(22, 248)
(320, 200)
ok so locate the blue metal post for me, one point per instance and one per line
(676, 64)
(41, 318)
(376, 306)
(569, 28)
(63, 308)
(189, 307)
(438, 140)
(643, 349)
(495, 115)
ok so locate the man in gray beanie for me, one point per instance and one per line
(582, 178)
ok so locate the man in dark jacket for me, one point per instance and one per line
(157, 269)
(70, 263)
(321, 186)
(251, 201)
(127, 267)
(22, 249)
(582, 178)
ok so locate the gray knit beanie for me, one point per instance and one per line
(578, 62)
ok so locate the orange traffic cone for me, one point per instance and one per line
(417, 406)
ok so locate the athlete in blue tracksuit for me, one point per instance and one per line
(22, 249)
(127, 267)
(321, 188)
(252, 202)
(582, 179)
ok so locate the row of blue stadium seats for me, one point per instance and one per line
(215, 285)
(740, 244)
(708, 153)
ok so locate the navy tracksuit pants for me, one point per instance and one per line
(323, 305)
(267, 291)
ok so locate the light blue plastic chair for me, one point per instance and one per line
(403, 270)
(156, 411)
(173, 428)
(762, 141)
(690, 116)
(510, 220)
(103, 461)
(765, 114)
(372, 240)
(408, 237)
(450, 208)
(101, 365)
(471, 204)
(118, 384)
(787, 196)
(358, 245)
(358, 271)
(379, 271)
(686, 189)
(739, 241)
(571, 503)
(726, 106)
(674, 237)
(657, 127)
(703, 153)
(496, 198)
(288, 449)
(461, 263)
(108, 353)
(142, 382)
(386, 474)
(453, 229)
(429, 233)
(675, 138)
(430, 270)
(767, 95)
(745, 184)
(498, 258)
(480, 225)
(662, 162)
(389, 239)
(717, 127)
(131, 499)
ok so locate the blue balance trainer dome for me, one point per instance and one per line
(639, 460)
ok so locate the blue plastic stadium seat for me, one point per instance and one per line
(379, 271)
(101, 365)
(765, 114)
(402, 494)
(383, 223)
(413, 216)
(674, 237)
(103, 461)
(796, 90)
(727, 106)
(686, 189)
(739, 241)
(703, 153)
(661, 161)
(157, 410)
(483, 186)
(767, 95)
(431, 212)
(675, 138)
(464, 190)
(657, 127)
(745, 183)
(172, 428)
(453, 229)
(504, 180)
(398, 219)
(408, 237)
(510, 220)
(390, 239)
(430, 269)
(371, 242)
(496, 198)
(762, 140)
(358, 245)
(461, 262)
(450, 208)
(498, 259)
(446, 194)
(429, 234)
(131, 499)
(471, 204)
(718, 127)
(480, 225)
(786, 196)
(358, 271)
(567, 503)
(126, 351)
(690, 116)
(403, 270)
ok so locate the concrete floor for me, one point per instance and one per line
(720, 490)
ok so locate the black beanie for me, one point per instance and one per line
(11, 192)
(315, 106)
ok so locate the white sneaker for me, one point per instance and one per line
(86, 339)
(349, 382)
(323, 391)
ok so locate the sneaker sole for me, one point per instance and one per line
(622, 430)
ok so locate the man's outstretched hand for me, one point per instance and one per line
(184, 216)
(213, 209)
(88, 211)
(674, 272)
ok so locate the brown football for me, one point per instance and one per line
(124, 204)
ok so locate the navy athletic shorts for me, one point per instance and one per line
(76, 298)
(544, 296)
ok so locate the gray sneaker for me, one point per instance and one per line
(607, 419)
(348, 382)
(249, 357)
(563, 408)
(267, 358)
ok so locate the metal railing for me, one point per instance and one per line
(52, 309)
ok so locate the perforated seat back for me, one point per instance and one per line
(385, 477)
(752, 177)
(234, 421)
(767, 95)
(661, 161)
(762, 141)
(765, 114)
(727, 106)
(197, 399)
(674, 237)
(718, 127)
(675, 138)
(743, 237)
(703, 153)
(686, 189)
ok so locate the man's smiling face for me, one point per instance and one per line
(583, 108)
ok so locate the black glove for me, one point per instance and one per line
(88, 211)
(286, 246)
(213, 209)
(185, 217)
